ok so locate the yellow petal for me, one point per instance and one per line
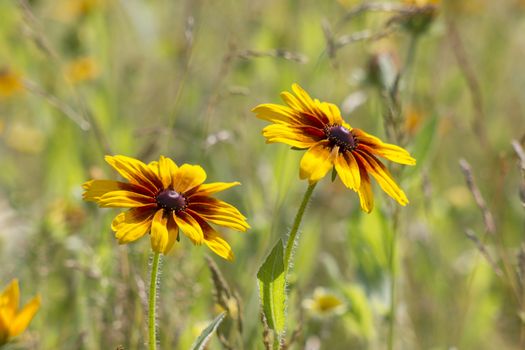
(215, 242)
(4, 331)
(366, 197)
(25, 316)
(303, 99)
(9, 300)
(189, 226)
(135, 171)
(388, 151)
(167, 168)
(214, 187)
(382, 176)
(218, 212)
(124, 199)
(292, 136)
(276, 113)
(221, 218)
(188, 177)
(348, 170)
(210, 204)
(331, 111)
(316, 162)
(132, 224)
(173, 233)
(292, 101)
(95, 189)
(159, 232)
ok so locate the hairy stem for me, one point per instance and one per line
(152, 302)
(295, 228)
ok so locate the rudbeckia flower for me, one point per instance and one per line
(12, 320)
(330, 142)
(164, 198)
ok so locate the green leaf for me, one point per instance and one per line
(206, 334)
(423, 144)
(271, 278)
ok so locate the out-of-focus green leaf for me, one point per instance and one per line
(423, 143)
(206, 334)
(360, 316)
(271, 278)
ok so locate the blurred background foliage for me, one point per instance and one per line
(83, 78)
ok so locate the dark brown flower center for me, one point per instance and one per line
(171, 200)
(340, 136)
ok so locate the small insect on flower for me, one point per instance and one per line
(330, 142)
(12, 320)
(164, 198)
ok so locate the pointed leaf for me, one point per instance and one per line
(271, 278)
(204, 338)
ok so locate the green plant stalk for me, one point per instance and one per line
(152, 301)
(295, 228)
(392, 266)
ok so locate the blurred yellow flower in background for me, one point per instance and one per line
(421, 3)
(164, 198)
(330, 142)
(70, 10)
(414, 117)
(10, 82)
(82, 69)
(12, 320)
(24, 138)
(324, 303)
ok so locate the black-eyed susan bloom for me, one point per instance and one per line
(318, 127)
(13, 321)
(164, 198)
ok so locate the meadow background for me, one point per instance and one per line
(179, 78)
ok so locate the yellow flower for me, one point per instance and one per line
(324, 303)
(330, 142)
(162, 198)
(82, 69)
(10, 82)
(14, 321)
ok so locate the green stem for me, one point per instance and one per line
(295, 228)
(392, 318)
(152, 300)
